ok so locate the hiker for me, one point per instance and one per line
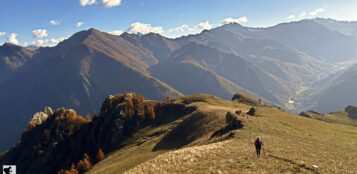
(258, 143)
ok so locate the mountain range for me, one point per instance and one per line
(291, 62)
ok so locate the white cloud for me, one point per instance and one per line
(2, 33)
(39, 33)
(303, 14)
(240, 20)
(138, 27)
(204, 26)
(55, 22)
(116, 32)
(13, 39)
(45, 42)
(103, 3)
(317, 11)
(79, 24)
(86, 2)
(291, 17)
(110, 3)
(186, 29)
(181, 29)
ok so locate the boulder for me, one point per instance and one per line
(251, 111)
(37, 119)
(305, 114)
(233, 121)
(48, 110)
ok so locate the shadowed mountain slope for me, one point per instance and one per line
(345, 27)
(315, 39)
(215, 67)
(336, 93)
(160, 46)
(279, 59)
(12, 58)
(76, 74)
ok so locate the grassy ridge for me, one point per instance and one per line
(293, 144)
(338, 117)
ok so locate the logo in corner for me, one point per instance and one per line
(8, 169)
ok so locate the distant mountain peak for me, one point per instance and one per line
(228, 26)
(81, 37)
(234, 24)
(9, 45)
(152, 35)
(93, 30)
(9, 48)
(128, 34)
(84, 34)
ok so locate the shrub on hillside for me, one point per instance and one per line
(150, 111)
(100, 155)
(71, 170)
(85, 164)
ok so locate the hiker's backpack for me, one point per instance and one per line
(258, 143)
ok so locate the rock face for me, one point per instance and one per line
(12, 58)
(39, 117)
(48, 110)
(352, 111)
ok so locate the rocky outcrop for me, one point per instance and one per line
(38, 118)
(310, 113)
(352, 111)
(245, 99)
(42, 139)
(251, 111)
(233, 121)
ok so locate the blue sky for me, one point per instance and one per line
(27, 22)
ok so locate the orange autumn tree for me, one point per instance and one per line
(71, 170)
(85, 164)
(100, 155)
(87, 118)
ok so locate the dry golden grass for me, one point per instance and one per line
(336, 117)
(135, 153)
(293, 144)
